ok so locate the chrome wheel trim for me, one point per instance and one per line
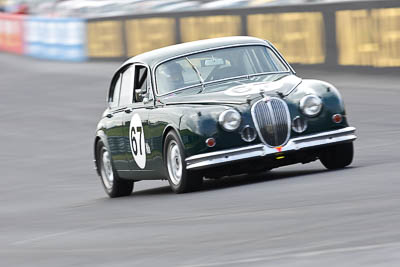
(107, 174)
(174, 163)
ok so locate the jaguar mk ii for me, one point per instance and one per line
(213, 108)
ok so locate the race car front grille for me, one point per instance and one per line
(272, 119)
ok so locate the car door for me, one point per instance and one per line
(134, 89)
(113, 125)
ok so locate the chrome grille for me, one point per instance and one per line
(272, 120)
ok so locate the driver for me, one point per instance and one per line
(172, 77)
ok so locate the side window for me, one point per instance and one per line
(140, 81)
(114, 92)
(126, 96)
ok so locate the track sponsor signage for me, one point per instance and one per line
(12, 33)
(105, 39)
(162, 34)
(348, 34)
(56, 38)
(299, 35)
(368, 37)
(205, 27)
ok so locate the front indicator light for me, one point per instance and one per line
(337, 118)
(210, 142)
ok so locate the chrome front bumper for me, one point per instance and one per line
(225, 156)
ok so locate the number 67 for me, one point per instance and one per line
(134, 142)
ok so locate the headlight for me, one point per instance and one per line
(230, 120)
(311, 105)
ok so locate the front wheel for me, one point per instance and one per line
(180, 180)
(338, 156)
(113, 185)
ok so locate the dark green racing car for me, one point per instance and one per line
(214, 108)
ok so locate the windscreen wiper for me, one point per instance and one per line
(198, 74)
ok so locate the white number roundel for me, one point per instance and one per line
(136, 137)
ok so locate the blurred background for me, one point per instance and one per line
(100, 8)
(56, 62)
(323, 32)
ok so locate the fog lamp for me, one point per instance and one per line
(299, 124)
(248, 134)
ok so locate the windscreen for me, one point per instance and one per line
(216, 65)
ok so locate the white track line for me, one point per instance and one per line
(295, 255)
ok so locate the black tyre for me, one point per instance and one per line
(113, 185)
(338, 156)
(180, 180)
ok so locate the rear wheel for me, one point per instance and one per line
(113, 185)
(338, 156)
(180, 180)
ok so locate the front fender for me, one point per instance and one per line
(200, 123)
(332, 104)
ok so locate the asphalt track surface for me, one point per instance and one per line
(54, 212)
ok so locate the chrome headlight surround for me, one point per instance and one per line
(311, 105)
(230, 120)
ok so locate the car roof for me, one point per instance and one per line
(154, 57)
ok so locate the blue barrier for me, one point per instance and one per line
(56, 38)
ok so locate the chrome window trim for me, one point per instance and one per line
(112, 88)
(283, 61)
(130, 64)
(281, 57)
(211, 102)
(149, 76)
(126, 68)
(273, 118)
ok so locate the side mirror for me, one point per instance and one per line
(142, 95)
(141, 92)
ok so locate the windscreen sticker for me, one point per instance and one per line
(136, 137)
(255, 88)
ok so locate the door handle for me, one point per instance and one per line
(128, 110)
(109, 115)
